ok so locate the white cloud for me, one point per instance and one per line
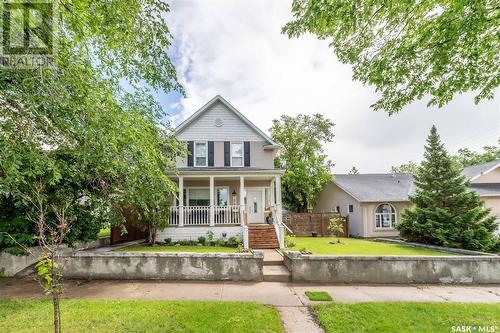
(236, 49)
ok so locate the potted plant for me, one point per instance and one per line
(270, 218)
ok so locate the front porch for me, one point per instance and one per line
(224, 203)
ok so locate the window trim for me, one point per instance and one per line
(390, 219)
(242, 154)
(195, 157)
(349, 209)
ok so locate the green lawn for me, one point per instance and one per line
(182, 248)
(406, 317)
(139, 316)
(321, 245)
(319, 296)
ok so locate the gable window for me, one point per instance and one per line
(351, 208)
(237, 154)
(385, 216)
(200, 154)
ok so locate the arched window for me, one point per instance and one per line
(385, 216)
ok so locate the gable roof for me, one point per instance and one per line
(475, 171)
(185, 124)
(376, 187)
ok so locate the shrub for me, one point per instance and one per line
(232, 242)
(210, 235)
(290, 241)
(220, 242)
(202, 240)
(168, 241)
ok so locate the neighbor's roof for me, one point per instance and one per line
(220, 99)
(486, 189)
(478, 170)
(376, 187)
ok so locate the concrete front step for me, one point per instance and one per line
(276, 273)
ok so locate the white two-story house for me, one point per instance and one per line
(227, 183)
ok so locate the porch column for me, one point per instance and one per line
(277, 182)
(242, 198)
(212, 204)
(181, 201)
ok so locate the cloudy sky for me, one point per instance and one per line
(236, 49)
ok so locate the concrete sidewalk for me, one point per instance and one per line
(276, 293)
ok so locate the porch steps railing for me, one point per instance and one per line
(200, 215)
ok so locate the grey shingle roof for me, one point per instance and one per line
(479, 169)
(376, 187)
(486, 189)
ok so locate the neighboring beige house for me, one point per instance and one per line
(374, 202)
(228, 181)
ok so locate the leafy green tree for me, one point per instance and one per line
(445, 212)
(75, 130)
(464, 158)
(306, 166)
(410, 167)
(409, 49)
(467, 157)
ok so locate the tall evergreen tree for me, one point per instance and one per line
(445, 212)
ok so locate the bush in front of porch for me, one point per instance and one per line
(201, 245)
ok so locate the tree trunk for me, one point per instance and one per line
(55, 303)
(152, 234)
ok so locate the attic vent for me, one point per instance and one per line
(218, 122)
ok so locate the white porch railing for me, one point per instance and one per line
(200, 215)
(227, 214)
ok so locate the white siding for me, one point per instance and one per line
(232, 129)
(192, 233)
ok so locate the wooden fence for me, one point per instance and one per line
(307, 224)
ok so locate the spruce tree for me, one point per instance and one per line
(445, 211)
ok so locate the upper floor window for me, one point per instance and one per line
(385, 216)
(200, 154)
(237, 154)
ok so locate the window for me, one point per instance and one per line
(200, 154)
(237, 154)
(337, 209)
(198, 196)
(385, 216)
(222, 196)
(351, 208)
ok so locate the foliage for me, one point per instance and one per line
(168, 241)
(445, 212)
(202, 240)
(336, 225)
(467, 157)
(74, 129)
(464, 158)
(306, 165)
(290, 241)
(181, 248)
(354, 171)
(404, 316)
(319, 296)
(410, 167)
(409, 49)
(232, 242)
(210, 235)
(353, 246)
(99, 316)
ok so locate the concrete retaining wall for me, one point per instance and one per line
(11, 264)
(393, 269)
(169, 266)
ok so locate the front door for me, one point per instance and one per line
(255, 206)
